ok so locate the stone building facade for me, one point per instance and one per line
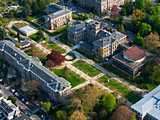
(99, 6)
(57, 17)
(96, 39)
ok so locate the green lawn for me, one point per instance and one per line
(55, 47)
(86, 68)
(114, 85)
(60, 30)
(36, 37)
(69, 75)
(63, 38)
(82, 16)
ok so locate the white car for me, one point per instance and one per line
(16, 94)
(13, 90)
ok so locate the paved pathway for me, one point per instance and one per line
(80, 86)
(104, 71)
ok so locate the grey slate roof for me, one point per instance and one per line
(105, 38)
(56, 11)
(52, 81)
(77, 27)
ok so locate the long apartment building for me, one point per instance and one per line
(30, 69)
(100, 6)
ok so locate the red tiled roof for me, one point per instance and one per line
(134, 53)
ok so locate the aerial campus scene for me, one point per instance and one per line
(79, 59)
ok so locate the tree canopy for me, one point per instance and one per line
(77, 115)
(108, 102)
(123, 113)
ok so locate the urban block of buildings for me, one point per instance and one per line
(57, 16)
(8, 110)
(130, 61)
(30, 69)
(99, 6)
(148, 108)
(96, 39)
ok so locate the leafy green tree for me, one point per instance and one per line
(108, 101)
(155, 74)
(13, 99)
(144, 29)
(127, 9)
(155, 10)
(61, 115)
(154, 20)
(139, 40)
(140, 4)
(46, 105)
(2, 33)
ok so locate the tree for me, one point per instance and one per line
(54, 59)
(154, 21)
(139, 40)
(46, 105)
(144, 29)
(155, 74)
(152, 42)
(32, 85)
(77, 115)
(138, 15)
(108, 102)
(140, 4)
(32, 88)
(2, 33)
(127, 9)
(61, 115)
(13, 99)
(76, 104)
(85, 99)
(123, 113)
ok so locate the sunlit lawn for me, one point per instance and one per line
(69, 75)
(86, 68)
(123, 90)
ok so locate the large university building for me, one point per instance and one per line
(96, 39)
(99, 6)
(57, 16)
(30, 69)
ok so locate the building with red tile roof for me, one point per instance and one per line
(130, 61)
(134, 54)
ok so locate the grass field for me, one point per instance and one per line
(55, 47)
(86, 68)
(69, 75)
(118, 87)
(59, 30)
